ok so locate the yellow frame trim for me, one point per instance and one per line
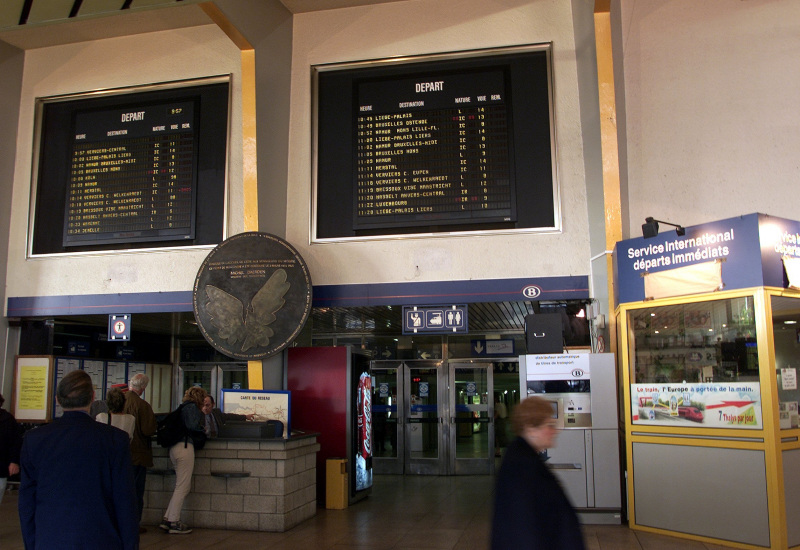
(612, 195)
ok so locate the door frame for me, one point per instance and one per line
(436, 465)
(471, 466)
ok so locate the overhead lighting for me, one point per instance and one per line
(790, 322)
(650, 228)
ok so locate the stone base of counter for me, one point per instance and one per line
(251, 485)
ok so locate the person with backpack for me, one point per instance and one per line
(181, 454)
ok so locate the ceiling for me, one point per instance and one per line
(29, 24)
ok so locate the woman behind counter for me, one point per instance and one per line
(182, 457)
(531, 510)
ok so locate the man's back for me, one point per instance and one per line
(76, 487)
(146, 425)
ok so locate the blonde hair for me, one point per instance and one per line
(195, 394)
(533, 412)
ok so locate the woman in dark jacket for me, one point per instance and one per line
(182, 457)
(10, 444)
(531, 510)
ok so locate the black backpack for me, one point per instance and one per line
(172, 428)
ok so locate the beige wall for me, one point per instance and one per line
(86, 66)
(712, 108)
(423, 27)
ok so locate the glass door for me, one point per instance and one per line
(472, 440)
(426, 408)
(387, 417)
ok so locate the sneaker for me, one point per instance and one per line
(178, 528)
(164, 525)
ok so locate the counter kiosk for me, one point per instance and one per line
(709, 348)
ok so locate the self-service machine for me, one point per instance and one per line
(583, 390)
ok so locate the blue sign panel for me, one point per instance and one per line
(435, 319)
(119, 327)
(750, 247)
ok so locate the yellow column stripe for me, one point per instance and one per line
(249, 153)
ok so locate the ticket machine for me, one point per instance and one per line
(583, 390)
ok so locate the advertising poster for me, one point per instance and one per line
(710, 405)
(32, 388)
(262, 404)
(364, 432)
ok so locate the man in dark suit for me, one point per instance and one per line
(76, 489)
(216, 418)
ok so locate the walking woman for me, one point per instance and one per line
(182, 456)
(531, 511)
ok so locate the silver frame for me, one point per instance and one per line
(402, 60)
(37, 136)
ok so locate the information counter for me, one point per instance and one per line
(709, 350)
(242, 484)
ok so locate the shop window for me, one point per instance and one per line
(786, 331)
(695, 365)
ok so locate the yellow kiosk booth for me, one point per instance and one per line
(709, 330)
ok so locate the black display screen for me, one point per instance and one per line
(132, 175)
(455, 143)
(132, 169)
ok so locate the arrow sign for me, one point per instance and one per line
(493, 347)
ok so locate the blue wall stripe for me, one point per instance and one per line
(426, 293)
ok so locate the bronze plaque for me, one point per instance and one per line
(252, 295)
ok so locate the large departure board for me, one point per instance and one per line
(132, 175)
(131, 168)
(445, 143)
(433, 149)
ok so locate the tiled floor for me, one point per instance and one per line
(403, 512)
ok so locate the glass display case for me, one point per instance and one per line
(695, 364)
(786, 334)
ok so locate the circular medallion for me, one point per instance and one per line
(252, 295)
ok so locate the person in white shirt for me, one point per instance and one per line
(115, 400)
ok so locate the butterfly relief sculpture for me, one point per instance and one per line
(250, 325)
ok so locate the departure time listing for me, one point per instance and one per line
(131, 175)
(433, 150)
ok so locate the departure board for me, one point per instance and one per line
(433, 149)
(448, 143)
(132, 175)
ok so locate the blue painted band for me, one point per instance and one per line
(485, 290)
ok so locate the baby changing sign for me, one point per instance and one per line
(712, 405)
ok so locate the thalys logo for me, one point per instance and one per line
(531, 291)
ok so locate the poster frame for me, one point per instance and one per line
(33, 415)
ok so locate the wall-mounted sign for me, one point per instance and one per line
(33, 386)
(435, 319)
(749, 251)
(119, 327)
(483, 348)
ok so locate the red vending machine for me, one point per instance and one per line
(331, 389)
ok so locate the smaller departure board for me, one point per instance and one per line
(132, 175)
(433, 148)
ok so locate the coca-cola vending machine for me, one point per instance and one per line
(331, 389)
